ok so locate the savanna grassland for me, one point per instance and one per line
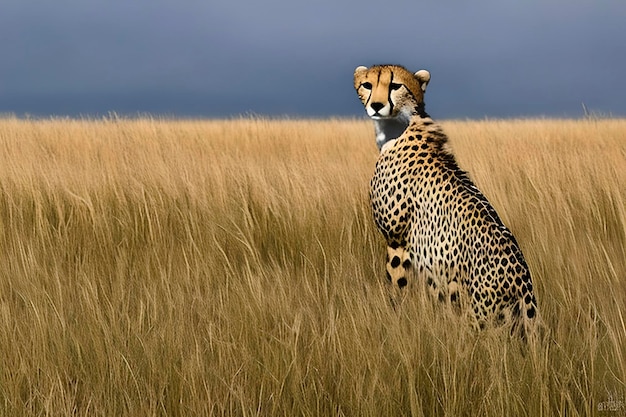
(231, 268)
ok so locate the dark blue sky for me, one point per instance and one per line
(494, 58)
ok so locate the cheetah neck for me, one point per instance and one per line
(427, 131)
(389, 129)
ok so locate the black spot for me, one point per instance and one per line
(402, 282)
(441, 298)
(395, 262)
(528, 299)
(453, 297)
(530, 313)
(518, 281)
(394, 245)
(406, 264)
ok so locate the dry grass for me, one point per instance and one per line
(155, 267)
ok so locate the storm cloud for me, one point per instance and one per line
(218, 59)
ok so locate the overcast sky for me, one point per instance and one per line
(217, 58)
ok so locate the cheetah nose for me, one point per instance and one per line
(377, 106)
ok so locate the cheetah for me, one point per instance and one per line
(435, 221)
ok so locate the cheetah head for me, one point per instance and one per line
(390, 91)
(392, 95)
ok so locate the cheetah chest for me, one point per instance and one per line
(391, 195)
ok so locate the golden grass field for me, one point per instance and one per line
(232, 268)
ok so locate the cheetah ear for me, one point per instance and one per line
(423, 77)
(360, 69)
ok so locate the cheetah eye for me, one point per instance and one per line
(367, 86)
(394, 86)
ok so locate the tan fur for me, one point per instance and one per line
(381, 77)
(434, 219)
(390, 93)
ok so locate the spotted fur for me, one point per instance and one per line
(434, 219)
